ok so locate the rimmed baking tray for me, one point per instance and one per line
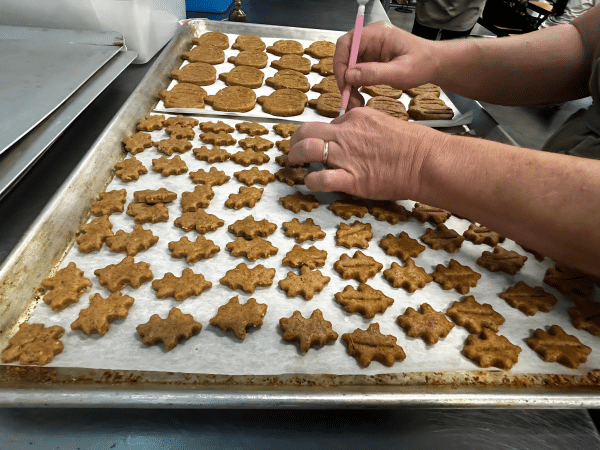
(53, 234)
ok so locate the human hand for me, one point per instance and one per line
(387, 55)
(371, 154)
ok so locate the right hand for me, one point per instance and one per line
(387, 55)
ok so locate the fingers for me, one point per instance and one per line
(374, 73)
(332, 180)
(307, 130)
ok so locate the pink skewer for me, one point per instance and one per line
(360, 17)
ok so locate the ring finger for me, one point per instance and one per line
(311, 150)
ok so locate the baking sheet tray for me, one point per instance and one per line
(55, 231)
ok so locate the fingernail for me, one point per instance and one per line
(353, 75)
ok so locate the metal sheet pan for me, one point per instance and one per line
(54, 232)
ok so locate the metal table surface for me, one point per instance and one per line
(108, 428)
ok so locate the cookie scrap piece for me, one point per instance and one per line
(311, 257)
(213, 177)
(558, 346)
(168, 146)
(246, 196)
(570, 282)
(285, 130)
(241, 277)
(215, 38)
(250, 228)
(284, 102)
(356, 235)
(299, 201)
(368, 345)
(162, 195)
(200, 197)
(249, 42)
(184, 121)
(283, 146)
(199, 220)
(426, 213)
(238, 318)
(424, 89)
(131, 243)
(324, 66)
(291, 175)
(34, 344)
(216, 154)
(247, 76)
(502, 260)
(429, 107)
(130, 169)
(92, 235)
(348, 207)
(109, 202)
(327, 104)
(403, 246)
(250, 58)
(179, 131)
(151, 122)
(169, 166)
(182, 287)
(97, 317)
(391, 212)
(455, 276)
(478, 234)
(207, 54)
(327, 84)
(143, 212)
(410, 277)
(65, 287)
(251, 176)
(427, 323)
(382, 90)
(303, 231)
(198, 73)
(233, 99)
(138, 142)
(491, 350)
(389, 106)
(308, 332)
(201, 248)
(321, 49)
(115, 277)
(218, 138)
(586, 316)
(360, 267)
(169, 331)
(474, 316)
(364, 300)
(306, 284)
(288, 79)
(527, 299)
(252, 128)
(252, 249)
(183, 95)
(247, 157)
(286, 47)
(442, 238)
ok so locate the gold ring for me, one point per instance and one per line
(325, 152)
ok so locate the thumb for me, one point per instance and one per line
(370, 74)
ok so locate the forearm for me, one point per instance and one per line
(545, 201)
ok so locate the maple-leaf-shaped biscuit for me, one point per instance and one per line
(65, 287)
(213, 177)
(308, 332)
(179, 131)
(285, 130)
(150, 196)
(257, 143)
(169, 166)
(101, 312)
(299, 201)
(246, 196)
(181, 287)
(570, 282)
(115, 277)
(502, 260)
(184, 95)
(491, 350)
(527, 299)
(109, 202)
(368, 345)
(478, 234)
(403, 246)
(151, 123)
(130, 169)
(303, 231)
(138, 142)
(360, 267)
(558, 346)
(364, 300)
(410, 277)
(254, 175)
(356, 235)
(283, 146)
(252, 249)
(249, 227)
(427, 323)
(34, 344)
(247, 157)
(311, 257)
(292, 175)
(199, 220)
(143, 212)
(306, 284)
(92, 235)
(474, 316)
(185, 121)
(169, 331)
(391, 212)
(168, 146)
(586, 316)
(220, 138)
(347, 207)
(237, 317)
(443, 238)
(241, 277)
(201, 248)
(216, 127)
(426, 213)
(132, 243)
(216, 154)
(283, 161)
(200, 197)
(455, 276)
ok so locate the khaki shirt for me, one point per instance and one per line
(452, 15)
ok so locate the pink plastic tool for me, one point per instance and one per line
(360, 18)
